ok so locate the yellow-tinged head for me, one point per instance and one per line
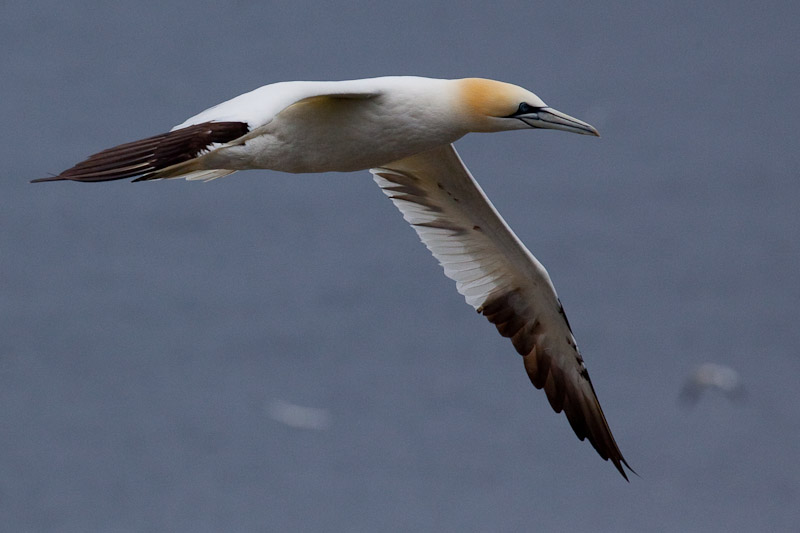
(497, 106)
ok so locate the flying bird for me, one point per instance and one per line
(401, 128)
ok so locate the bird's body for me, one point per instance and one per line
(338, 126)
(402, 129)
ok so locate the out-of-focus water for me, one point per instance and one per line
(148, 331)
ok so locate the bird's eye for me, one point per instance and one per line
(524, 109)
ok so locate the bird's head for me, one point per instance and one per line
(498, 106)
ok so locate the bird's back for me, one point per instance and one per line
(336, 126)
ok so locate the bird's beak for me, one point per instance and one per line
(549, 118)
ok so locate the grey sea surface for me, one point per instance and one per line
(274, 352)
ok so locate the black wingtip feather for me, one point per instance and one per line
(146, 156)
(50, 178)
(583, 412)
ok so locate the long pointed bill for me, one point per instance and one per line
(549, 118)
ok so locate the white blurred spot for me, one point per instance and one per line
(298, 416)
(712, 376)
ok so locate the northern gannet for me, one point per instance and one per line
(401, 129)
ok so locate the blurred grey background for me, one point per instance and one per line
(148, 331)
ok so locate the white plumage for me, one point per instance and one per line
(402, 128)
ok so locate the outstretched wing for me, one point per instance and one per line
(178, 152)
(501, 279)
(146, 157)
